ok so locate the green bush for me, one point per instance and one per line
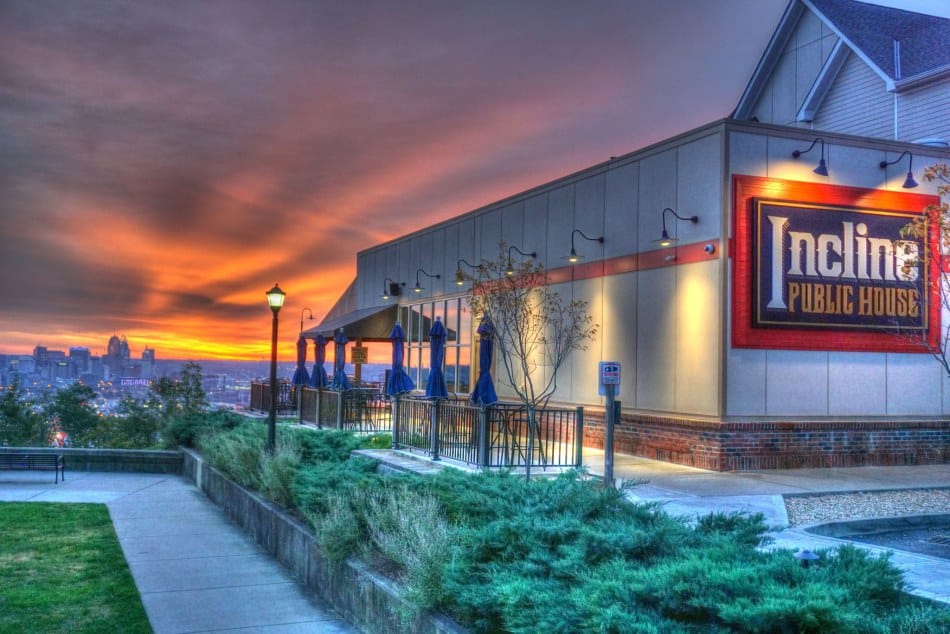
(187, 430)
(500, 553)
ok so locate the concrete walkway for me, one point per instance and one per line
(195, 570)
(690, 492)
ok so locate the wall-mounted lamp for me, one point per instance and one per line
(301, 316)
(822, 169)
(459, 276)
(909, 182)
(573, 257)
(510, 270)
(417, 288)
(391, 288)
(665, 240)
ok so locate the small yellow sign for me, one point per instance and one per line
(358, 354)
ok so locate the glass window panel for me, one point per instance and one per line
(452, 319)
(465, 322)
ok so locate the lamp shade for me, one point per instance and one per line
(275, 298)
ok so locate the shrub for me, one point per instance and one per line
(278, 470)
(408, 528)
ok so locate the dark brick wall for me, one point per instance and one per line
(734, 446)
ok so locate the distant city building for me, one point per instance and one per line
(148, 362)
(81, 360)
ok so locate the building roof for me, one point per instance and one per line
(872, 30)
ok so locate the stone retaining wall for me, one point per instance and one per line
(359, 595)
(120, 460)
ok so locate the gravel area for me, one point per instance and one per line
(816, 509)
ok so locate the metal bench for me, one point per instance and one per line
(28, 461)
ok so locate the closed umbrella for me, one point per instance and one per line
(399, 381)
(484, 392)
(340, 382)
(435, 386)
(319, 377)
(300, 374)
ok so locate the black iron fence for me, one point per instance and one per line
(286, 397)
(500, 435)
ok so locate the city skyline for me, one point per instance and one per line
(167, 163)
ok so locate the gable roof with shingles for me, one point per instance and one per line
(871, 31)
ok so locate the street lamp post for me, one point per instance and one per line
(275, 299)
(309, 315)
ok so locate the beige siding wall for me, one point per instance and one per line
(925, 113)
(857, 103)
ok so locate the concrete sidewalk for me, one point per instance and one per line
(690, 492)
(195, 570)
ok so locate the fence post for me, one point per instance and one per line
(579, 438)
(395, 425)
(434, 428)
(339, 410)
(317, 411)
(483, 436)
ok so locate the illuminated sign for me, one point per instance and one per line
(830, 267)
(824, 267)
(134, 382)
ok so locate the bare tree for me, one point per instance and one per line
(535, 329)
(937, 215)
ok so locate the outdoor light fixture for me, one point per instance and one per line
(573, 256)
(275, 299)
(665, 239)
(822, 169)
(909, 182)
(417, 288)
(805, 557)
(509, 271)
(301, 317)
(459, 276)
(392, 289)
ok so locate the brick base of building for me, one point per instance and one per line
(742, 445)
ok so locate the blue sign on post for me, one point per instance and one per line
(609, 380)
(609, 374)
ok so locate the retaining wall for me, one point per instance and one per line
(361, 596)
(119, 460)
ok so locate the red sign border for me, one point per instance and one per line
(747, 188)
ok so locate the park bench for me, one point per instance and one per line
(23, 460)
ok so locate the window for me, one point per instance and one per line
(457, 317)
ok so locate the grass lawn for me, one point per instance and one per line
(63, 570)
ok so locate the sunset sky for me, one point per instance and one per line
(162, 164)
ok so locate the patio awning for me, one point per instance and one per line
(369, 324)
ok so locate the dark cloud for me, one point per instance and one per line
(163, 163)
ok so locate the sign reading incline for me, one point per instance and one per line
(826, 268)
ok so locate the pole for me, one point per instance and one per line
(272, 418)
(609, 436)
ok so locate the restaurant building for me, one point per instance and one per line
(786, 325)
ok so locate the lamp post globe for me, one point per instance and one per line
(275, 299)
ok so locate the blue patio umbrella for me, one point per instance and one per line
(319, 376)
(300, 374)
(484, 392)
(435, 386)
(340, 382)
(399, 381)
